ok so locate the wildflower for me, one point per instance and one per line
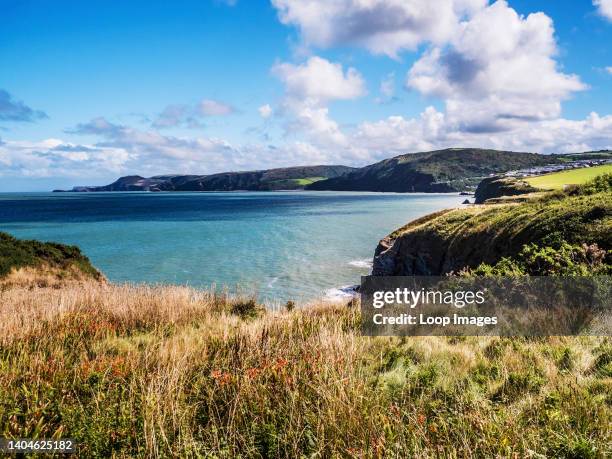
(281, 363)
(253, 372)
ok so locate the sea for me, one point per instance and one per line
(281, 246)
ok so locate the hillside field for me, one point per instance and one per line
(557, 180)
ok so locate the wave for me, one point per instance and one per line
(272, 282)
(366, 263)
(341, 293)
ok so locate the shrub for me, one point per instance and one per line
(563, 260)
(246, 308)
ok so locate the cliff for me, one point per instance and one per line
(496, 187)
(453, 169)
(288, 178)
(455, 239)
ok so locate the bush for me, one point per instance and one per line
(246, 308)
(563, 260)
(15, 254)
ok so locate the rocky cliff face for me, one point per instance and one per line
(496, 187)
(288, 178)
(458, 238)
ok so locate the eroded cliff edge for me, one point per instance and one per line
(455, 239)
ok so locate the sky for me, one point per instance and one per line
(90, 91)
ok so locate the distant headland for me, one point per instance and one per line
(439, 171)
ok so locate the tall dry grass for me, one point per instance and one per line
(148, 371)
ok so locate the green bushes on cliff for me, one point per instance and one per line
(542, 227)
(561, 259)
(15, 254)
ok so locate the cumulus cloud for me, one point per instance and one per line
(309, 87)
(54, 158)
(432, 130)
(15, 110)
(604, 7)
(381, 26)
(320, 80)
(191, 116)
(486, 73)
(265, 111)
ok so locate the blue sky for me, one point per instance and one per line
(93, 90)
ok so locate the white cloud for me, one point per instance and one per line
(499, 69)
(432, 130)
(265, 111)
(309, 87)
(609, 70)
(604, 7)
(381, 26)
(320, 80)
(54, 157)
(317, 125)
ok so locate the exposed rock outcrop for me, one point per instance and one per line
(495, 187)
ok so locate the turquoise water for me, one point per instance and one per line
(285, 245)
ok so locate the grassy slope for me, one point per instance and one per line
(169, 371)
(16, 254)
(558, 180)
(296, 182)
(447, 170)
(452, 240)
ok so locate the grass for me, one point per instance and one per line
(175, 372)
(451, 240)
(297, 182)
(557, 180)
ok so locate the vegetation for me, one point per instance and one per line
(156, 371)
(465, 238)
(262, 180)
(557, 259)
(453, 169)
(558, 180)
(64, 260)
(174, 372)
(291, 184)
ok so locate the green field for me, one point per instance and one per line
(308, 180)
(298, 182)
(557, 180)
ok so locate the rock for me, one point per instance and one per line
(495, 187)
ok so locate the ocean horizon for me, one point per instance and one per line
(297, 245)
